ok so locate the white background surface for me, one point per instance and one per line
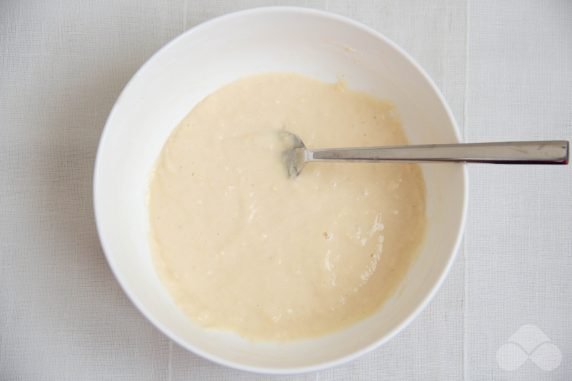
(504, 66)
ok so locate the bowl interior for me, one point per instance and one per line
(167, 87)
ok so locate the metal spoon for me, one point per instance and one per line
(533, 152)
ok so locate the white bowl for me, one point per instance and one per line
(278, 39)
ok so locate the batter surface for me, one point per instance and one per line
(242, 247)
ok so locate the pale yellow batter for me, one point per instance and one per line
(242, 247)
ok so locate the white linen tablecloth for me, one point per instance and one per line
(504, 66)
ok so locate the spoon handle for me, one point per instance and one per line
(533, 152)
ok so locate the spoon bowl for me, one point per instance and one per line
(319, 45)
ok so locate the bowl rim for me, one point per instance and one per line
(321, 365)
